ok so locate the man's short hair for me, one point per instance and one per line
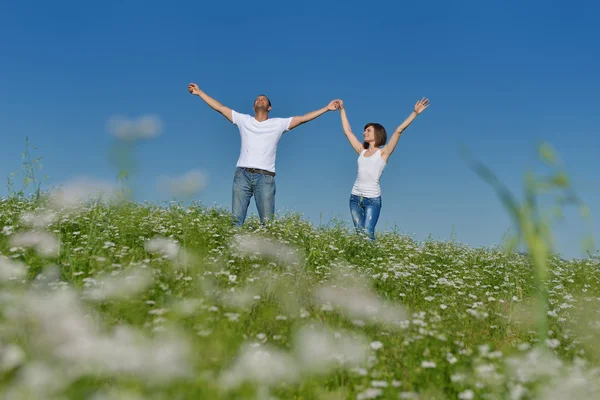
(269, 100)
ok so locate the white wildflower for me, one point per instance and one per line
(45, 244)
(376, 345)
(318, 351)
(11, 357)
(11, 269)
(122, 286)
(379, 384)
(80, 347)
(167, 247)
(265, 366)
(361, 303)
(39, 220)
(371, 393)
(249, 245)
(81, 190)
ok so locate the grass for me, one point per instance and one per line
(124, 300)
(172, 302)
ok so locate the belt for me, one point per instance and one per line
(259, 171)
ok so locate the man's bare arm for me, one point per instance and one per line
(299, 120)
(214, 104)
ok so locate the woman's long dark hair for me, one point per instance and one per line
(380, 134)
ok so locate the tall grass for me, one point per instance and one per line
(112, 299)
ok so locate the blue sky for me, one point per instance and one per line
(500, 75)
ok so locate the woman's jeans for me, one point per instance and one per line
(365, 213)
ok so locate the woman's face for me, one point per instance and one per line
(369, 134)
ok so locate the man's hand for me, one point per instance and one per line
(340, 105)
(333, 105)
(421, 105)
(194, 89)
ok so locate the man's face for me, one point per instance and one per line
(262, 103)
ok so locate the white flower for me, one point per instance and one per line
(466, 395)
(370, 393)
(164, 246)
(361, 303)
(379, 384)
(40, 220)
(408, 395)
(376, 345)
(451, 359)
(428, 364)
(80, 346)
(10, 269)
(132, 282)
(318, 351)
(249, 245)
(80, 190)
(263, 365)
(44, 243)
(11, 356)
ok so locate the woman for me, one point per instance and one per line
(365, 200)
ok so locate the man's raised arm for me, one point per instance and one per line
(333, 105)
(214, 104)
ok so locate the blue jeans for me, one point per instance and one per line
(246, 184)
(365, 213)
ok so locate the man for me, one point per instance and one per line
(255, 169)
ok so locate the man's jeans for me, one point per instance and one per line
(365, 213)
(246, 184)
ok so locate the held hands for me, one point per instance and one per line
(193, 89)
(334, 105)
(421, 105)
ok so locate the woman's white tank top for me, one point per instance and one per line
(369, 172)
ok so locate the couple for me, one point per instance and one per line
(255, 172)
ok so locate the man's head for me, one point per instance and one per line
(262, 103)
(374, 133)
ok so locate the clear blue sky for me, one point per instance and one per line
(500, 75)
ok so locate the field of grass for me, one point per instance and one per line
(137, 301)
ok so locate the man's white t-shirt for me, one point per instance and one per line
(259, 140)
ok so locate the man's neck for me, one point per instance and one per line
(261, 116)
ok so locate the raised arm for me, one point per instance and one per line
(299, 120)
(214, 104)
(354, 142)
(420, 106)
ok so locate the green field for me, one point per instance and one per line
(139, 301)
